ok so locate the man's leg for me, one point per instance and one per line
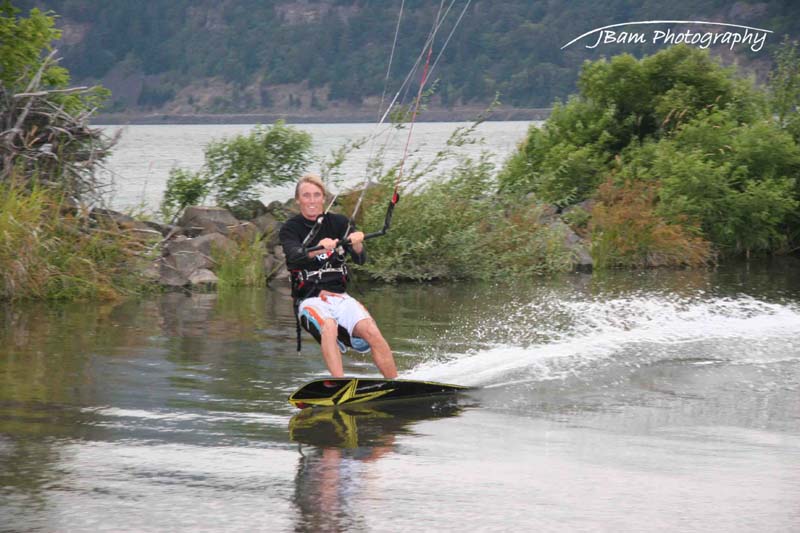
(368, 330)
(330, 350)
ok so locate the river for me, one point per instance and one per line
(139, 166)
(658, 401)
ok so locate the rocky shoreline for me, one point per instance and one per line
(186, 249)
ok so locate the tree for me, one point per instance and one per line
(44, 133)
(784, 80)
(701, 139)
(235, 168)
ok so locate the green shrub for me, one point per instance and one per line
(723, 164)
(184, 188)
(243, 266)
(271, 155)
(235, 169)
(47, 255)
(627, 231)
(457, 228)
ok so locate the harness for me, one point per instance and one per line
(309, 283)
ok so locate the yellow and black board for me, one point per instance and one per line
(333, 392)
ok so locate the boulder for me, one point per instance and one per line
(187, 262)
(145, 235)
(178, 244)
(107, 217)
(278, 264)
(582, 259)
(151, 270)
(243, 232)
(169, 276)
(269, 227)
(164, 229)
(205, 244)
(249, 209)
(207, 227)
(202, 215)
(203, 278)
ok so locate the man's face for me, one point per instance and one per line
(310, 199)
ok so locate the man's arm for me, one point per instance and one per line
(292, 244)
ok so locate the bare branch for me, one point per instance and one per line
(52, 91)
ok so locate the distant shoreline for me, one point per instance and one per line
(435, 115)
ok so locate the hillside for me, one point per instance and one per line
(328, 57)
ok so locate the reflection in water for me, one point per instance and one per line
(151, 408)
(358, 425)
(335, 470)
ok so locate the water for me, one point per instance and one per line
(140, 164)
(665, 401)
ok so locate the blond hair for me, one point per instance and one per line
(312, 179)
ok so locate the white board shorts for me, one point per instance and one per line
(343, 308)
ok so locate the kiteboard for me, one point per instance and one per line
(334, 392)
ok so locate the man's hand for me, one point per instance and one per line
(357, 237)
(357, 241)
(328, 245)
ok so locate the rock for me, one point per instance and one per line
(278, 258)
(249, 210)
(269, 263)
(205, 244)
(582, 259)
(209, 226)
(587, 205)
(151, 271)
(146, 235)
(163, 229)
(290, 206)
(547, 213)
(275, 206)
(202, 244)
(179, 244)
(244, 232)
(194, 231)
(203, 278)
(186, 262)
(107, 217)
(269, 227)
(266, 223)
(186, 259)
(170, 276)
(280, 211)
(202, 215)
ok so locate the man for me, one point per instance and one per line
(319, 281)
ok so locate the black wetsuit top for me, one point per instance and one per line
(292, 234)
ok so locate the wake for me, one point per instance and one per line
(556, 339)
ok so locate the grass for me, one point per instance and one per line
(47, 253)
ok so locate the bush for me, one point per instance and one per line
(184, 188)
(628, 232)
(49, 256)
(235, 169)
(267, 156)
(731, 180)
(244, 267)
(45, 138)
(457, 228)
(710, 154)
